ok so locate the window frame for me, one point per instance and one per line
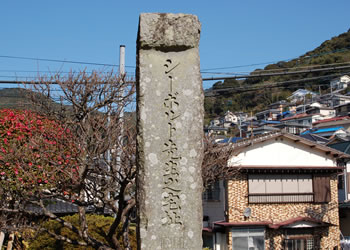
(320, 193)
(240, 232)
(212, 192)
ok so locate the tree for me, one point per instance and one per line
(92, 135)
(92, 110)
(215, 162)
(36, 156)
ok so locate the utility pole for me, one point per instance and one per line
(121, 103)
(122, 80)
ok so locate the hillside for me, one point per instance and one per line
(334, 51)
(16, 98)
(19, 98)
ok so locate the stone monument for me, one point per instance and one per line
(170, 132)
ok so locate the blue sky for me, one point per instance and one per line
(234, 33)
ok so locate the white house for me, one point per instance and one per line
(340, 82)
(284, 195)
(300, 94)
(230, 117)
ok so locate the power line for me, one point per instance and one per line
(63, 61)
(274, 70)
(243, 66)
(278, 74)
(273, 84)
(44, 82)
(329, 69)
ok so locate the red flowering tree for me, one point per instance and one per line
(37, 160)
(36, 153)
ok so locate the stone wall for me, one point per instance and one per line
(275, 213)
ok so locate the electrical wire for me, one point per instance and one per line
(277, 70)
(270, 85)
(62, 61)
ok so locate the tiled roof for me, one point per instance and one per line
(317, 223)
(264, 137)
(296, 117)
(315, 138)
(322, 130)
(332, 119)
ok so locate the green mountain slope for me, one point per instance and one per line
(333, 52)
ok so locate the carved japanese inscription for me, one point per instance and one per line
(171, 201)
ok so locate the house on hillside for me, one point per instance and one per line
(340, 82)
(269, 114)
(326, 132)
(302, 119)
(300, 95)
(230, 117)
(280, 105)
(343, 121)
(343, 109)
(285, 196)
(333, 100)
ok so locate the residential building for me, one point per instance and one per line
(343, 121)
(340, 82)
(269, 114)
(326, 132)
(284, 196)
(292, 127)
(344, 191)
(300, 95)
(343, 109)
(216, 122)
(333, 100)
(230, 117)
(315, 138)
(264, 129)
(280, 105)
(302, 119)
(215, 130)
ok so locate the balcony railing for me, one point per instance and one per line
(281, 198)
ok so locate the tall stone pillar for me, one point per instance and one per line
(170, 131)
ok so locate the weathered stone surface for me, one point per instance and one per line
(170, 130)
(168, 31)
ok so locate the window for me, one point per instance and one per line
(280, 188)
(248, 238)
(322, 189)
(341, 181)
(301, 239)
(212, 192)
(299, 244)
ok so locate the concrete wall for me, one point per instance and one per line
(283, 152)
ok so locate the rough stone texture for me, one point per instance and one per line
(168, 31)
(170, 129)
(327, 212)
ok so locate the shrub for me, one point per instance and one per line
(35, 154)
(98, 228)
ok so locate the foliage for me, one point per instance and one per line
(36, 157)
(98, 226)
(336, 50)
